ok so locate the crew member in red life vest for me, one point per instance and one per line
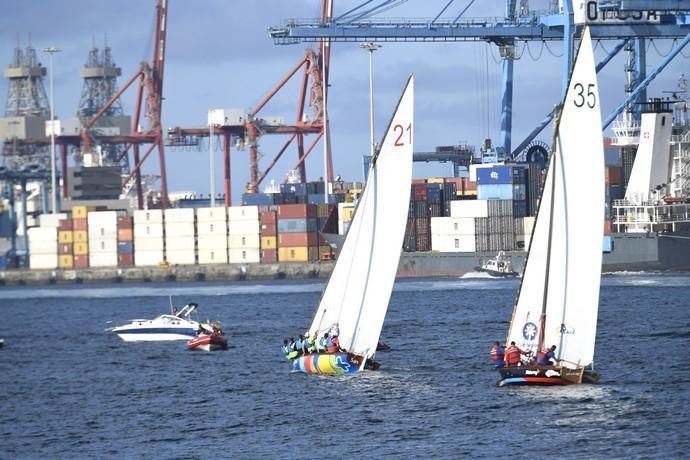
(547, 357)
(497, 352)
(512, 354)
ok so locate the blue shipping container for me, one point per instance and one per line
(125, 247)
(257, 199)
(297, 225)
(495, 192)
(320, 199)
(502, 175)
(519, 208)
(608, 243)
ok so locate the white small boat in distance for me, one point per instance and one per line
(499, 266)
(176, 326)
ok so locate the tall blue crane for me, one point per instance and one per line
(630, 22)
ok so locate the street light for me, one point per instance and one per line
(53, 186)
(371, 47)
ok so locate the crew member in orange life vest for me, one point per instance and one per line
(497, 353)
(512, 354)
(547, 357)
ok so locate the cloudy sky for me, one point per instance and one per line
(219, 55)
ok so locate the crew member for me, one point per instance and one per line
(293, 353)
(547, 357)
(497, 354)
(512, 354)
(299, 345)
(286, 349)
(336, 343)
(330, 346)
(322, 345)
(310, 343)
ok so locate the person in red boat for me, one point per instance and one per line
(512, 355)
(497, 354)
(547, 357)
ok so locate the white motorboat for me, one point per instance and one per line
(498, 266)
(175, 326)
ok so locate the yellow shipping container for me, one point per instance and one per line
(65, 236)
(347, 214)
(79, 212)
(298, 254)
(81, 249)
(80, 236)
(269, 242)
(435, 180)
(65, 261)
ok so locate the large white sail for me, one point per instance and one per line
(573, 234)
(359, 289)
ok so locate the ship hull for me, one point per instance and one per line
(331, 363)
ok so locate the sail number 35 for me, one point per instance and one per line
(401, 139)
(582, 98)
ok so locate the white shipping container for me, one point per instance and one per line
(102, 245)
(42, 234)
(217, 214)
(528, 224)
(181, 257)
(43, 247)
(213, 228)
(148, 231)
(102, 259)
(243, 227)
(525, 241)
(343, 227)
(212, 242)
(43, 261)
(341, 210)
(249, 240)
(180, 243)
(469, 208)
(102, 231)
(213, 256)
(238, 213)
(175, 229)
(149, 244)
(147, 258)
(246, 256)
(452, 225)
(453, 243)
(102, 218)
(148, 216)
(51, 220)
(179, 215)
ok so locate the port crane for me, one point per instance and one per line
(629, 21)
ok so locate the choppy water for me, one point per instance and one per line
(69, 390)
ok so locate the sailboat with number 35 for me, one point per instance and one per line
(357, 293)
(558, 300)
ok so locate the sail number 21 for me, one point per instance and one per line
(401, 138)
(581, 98)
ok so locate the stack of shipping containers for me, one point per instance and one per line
(345, 213)
(212, 235)
(65, 244)
(268, 221)
(80, 235)
(452, 234)
(149, 247)
(180, 236)
(327, 222)
(298, 238)
(125, 241)
(244, 245)
(102, 231)
(43, 242)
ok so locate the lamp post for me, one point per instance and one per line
(53, 186)
(371, 47)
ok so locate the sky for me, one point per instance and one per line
(219, 55)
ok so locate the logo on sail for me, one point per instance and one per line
(565, 329)
(529, 331)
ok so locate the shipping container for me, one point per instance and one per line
(43, 261)
(125, 234)
(66, 249)
(501, 174)
(469, 208)
(81, 249)
(297, 239)
(179, 229)
(80, 225)
(100, 231)
(149, 244)
(269, 256)
(125, 247)
(125, 222)
(148, 231)
(147, 258)
(102, 245)
(179, 216)
(65, 225)
(212, 242)
(180, 243)
(241, 213)
(66, 262)
(419, 192)
(298, 254)
(297, 225)
(215, 214)
(296, 211)
(125, 259)
(269, 242)
(212, 256)
(614, 175)
(148, 216)
(81, 261)
(106, 219)
(181, 256)
(42, 234)
(453, 243)
(268, 230)
(452, 225)
(65, 236)
(79, 212)
(212, 228)
(243, 227)
(244, 256)
(102, 259)
(268, 217)
(80, 236)
(51, 220)
(346, 211)
(248, 240)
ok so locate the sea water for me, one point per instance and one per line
(70, 390)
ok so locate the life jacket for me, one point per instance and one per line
(293, 351)
(311, 345)
(512, 355)
(286, 350)
(330, 346)
(496, 353)
(323, 344)
(298, 345)
(543, 358)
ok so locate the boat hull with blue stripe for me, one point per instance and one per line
(332, 363)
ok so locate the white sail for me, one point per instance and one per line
(573, 234)
(359, 289)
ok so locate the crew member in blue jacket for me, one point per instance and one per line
(548, 357)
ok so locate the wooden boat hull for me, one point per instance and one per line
(546, 375)
(331, 363)
(208, 343)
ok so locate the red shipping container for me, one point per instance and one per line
(419, 181)
(125, 260)
(80, 224)
(65, 249)
(125, 234)
(81, 261)
(298, 239)
(296, 211)
(268, 230)
(607, 226)
(267, 217)
(613, 175)
(269, 256)
(124, 222)
(65, 224)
